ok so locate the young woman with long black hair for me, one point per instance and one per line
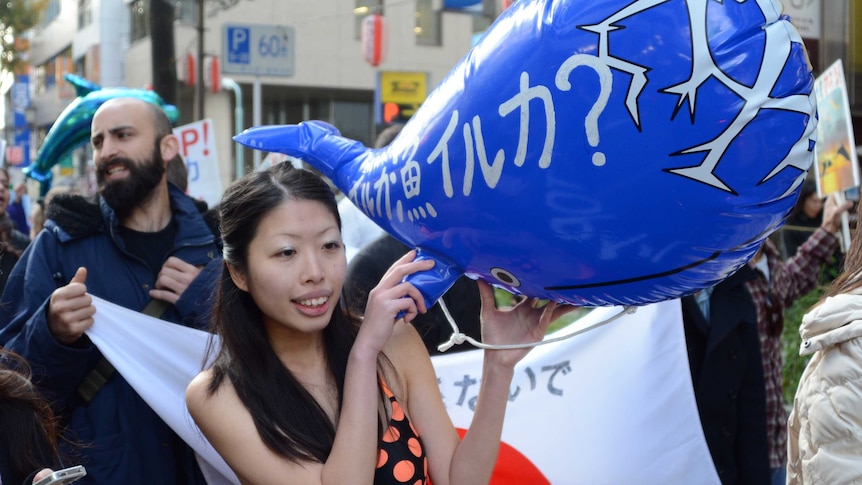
(303, 392)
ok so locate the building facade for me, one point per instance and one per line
(108, 42)
(317, 68)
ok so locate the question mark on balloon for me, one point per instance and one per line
(606, 81)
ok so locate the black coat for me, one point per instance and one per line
(727, 375)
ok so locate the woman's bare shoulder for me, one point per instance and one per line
(198, 392)
(200, 383)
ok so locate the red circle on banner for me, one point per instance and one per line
(513, 468)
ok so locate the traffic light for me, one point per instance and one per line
(398, 113)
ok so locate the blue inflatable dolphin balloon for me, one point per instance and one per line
(72, 127)
(594, 153)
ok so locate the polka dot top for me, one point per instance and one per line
(401, 457)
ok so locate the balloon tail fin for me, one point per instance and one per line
(82, 86)
(436, 281)
(315, 142)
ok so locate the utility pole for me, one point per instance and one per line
(201, 90)
(162, 50)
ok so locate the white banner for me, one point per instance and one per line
(198, 149)
(159, 359)
(610, 406)
(613, 405)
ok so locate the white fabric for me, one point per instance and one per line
(159, 359)
(613, 405)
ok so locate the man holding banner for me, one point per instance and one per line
(144, 246)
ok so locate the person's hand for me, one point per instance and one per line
(526, 322)
(832, 214)
(42, 474)
(71, 310)
(388, 299)
(174, 278)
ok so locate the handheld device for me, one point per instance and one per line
(64, 476)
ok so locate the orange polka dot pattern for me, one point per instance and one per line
(401, 458)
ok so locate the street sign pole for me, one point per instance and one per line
(258, 50)
(239, 159)
(256, 115)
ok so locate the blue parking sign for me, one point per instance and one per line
(259, 50)
(239, 50)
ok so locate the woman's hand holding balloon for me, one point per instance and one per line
(525, 322)
(391, 297)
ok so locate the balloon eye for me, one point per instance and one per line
(505, 277)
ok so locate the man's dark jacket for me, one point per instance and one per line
(123, 440)
(727, 374)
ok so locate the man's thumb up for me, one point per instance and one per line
(80, 276)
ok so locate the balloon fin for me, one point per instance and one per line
(172, 112)
(316, 142)
(436, 281)
(44, 178)
(82, 86)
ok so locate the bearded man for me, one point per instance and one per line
(144, 246)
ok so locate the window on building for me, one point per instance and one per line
(140, 19)
(427, 27)
(48, 75)
(351, 112)
(363, 8)
(283, 112)
(833, 37)
(854, 56)
(38, 79)
(353, 119)
(52, 11)
(186, 11)
(481, 23)
(85, 13)
(319, 109)
(80, 66)
(838, 40)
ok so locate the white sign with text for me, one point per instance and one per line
(198, 149)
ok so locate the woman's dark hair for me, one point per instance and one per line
(289, 420)
(27, 424)
(851, 278)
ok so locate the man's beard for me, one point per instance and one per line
(126, 194)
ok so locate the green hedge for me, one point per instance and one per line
(794, 364)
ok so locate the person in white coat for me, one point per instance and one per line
(825, 427)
